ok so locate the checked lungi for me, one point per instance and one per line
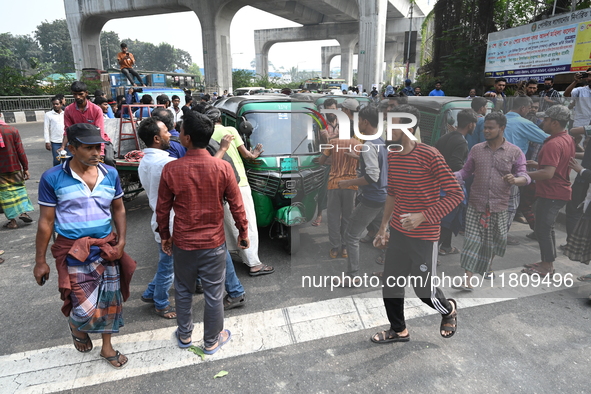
(14, 199)
(485, 236)
(97, 302)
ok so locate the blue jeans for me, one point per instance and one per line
(233, 286)
(55, 146)
(160, 285)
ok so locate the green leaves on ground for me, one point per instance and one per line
(198, 351)
(221, 374)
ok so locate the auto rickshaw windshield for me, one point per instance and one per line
(284, 133)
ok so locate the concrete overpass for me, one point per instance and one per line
(352, 22)
(347, 36)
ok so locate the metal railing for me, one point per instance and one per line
(28, 103)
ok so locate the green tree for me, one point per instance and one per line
(14, 83)
(194, 69)
(242, 78)
(110, 48)
(54, 40)
(21, 52)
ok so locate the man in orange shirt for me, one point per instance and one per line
(127, 61)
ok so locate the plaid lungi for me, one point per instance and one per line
(514, 198)
(13, 195)
(97, 303)
(483, 240)
(578, 243)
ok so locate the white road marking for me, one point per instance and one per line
(63, 368)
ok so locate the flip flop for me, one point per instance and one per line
(265, 270)
(536, 270)
(115, 358)
(182, 344)
(83, 341)
(585, 278)
(220, 344)
(25, 218)
(147, 300)
(316, 222)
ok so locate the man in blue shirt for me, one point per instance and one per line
(437, 91)
(94, 272)
(175, 149)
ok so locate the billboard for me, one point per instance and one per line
(552, 46)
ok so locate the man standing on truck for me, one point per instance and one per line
(127, 61)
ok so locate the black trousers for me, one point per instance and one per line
(414, 260)
(127, 71)
(573, 214)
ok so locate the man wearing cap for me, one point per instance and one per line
(408, 90)
(349, 107)
(94, 273)
(553, 188)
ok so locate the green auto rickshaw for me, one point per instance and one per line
(285, 178)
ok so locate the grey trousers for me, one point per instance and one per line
(210, 266)
(339, 208)
(362, 216)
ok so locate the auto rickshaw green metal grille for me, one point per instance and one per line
(265, 183)
(314, 180)
(427, 124)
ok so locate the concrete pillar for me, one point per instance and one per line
(326, 56)
(372, 37)
(85, 35)
(261, 48)
(347, 43)
(217, 54)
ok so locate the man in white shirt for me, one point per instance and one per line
(582, 97)
(53, 129)
(176, 111)
(155, 135)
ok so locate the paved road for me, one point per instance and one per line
(294, 339)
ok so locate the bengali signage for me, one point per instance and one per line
(546, 48)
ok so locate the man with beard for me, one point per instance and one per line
(83, 111)
(155, 135)
(582, 97)
(454, 148)
(417, 174)
(496, 166)
(498, 94)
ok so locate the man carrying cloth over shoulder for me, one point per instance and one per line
(94, 272)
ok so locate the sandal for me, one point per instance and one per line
(164, 312)
(25, 218)
(532, 265)
(219, 345)
(11, 225)
(389, 336)
(585, 278)
(443, 252)
(182, 345)
(265, 270)
(116, 358)
(449, 322)
(316, 222)
(82, 341)
(537, 271)
(381, 259)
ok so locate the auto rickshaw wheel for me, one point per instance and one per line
(293, 239)
(131, 186)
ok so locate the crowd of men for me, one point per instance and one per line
(410, 202)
